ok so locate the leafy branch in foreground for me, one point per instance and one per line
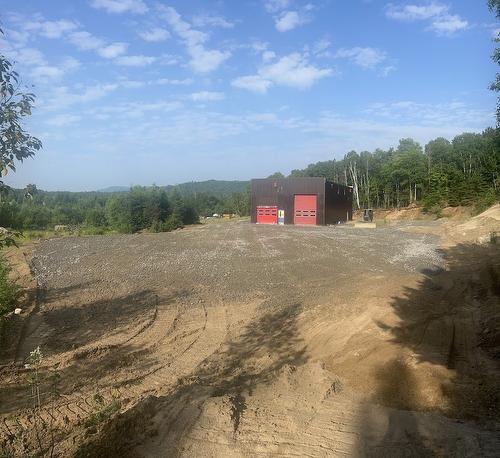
(494, 6)
(15, 143)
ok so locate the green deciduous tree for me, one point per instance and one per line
(494, 6)
(15, 143)
(464, 171)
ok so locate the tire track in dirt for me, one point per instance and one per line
(171, 346)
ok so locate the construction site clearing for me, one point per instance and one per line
(232, 339)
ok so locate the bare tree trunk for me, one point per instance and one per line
(397, 195)
(354, 176)
(368, 182)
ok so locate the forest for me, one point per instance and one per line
(464, 171)
(154, 208)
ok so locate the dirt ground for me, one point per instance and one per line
(241, 340)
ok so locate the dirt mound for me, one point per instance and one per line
(457, 213)
(482, 228)
(410, 213)
(414, 212)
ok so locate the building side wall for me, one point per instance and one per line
(338, 203)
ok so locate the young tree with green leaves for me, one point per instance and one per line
(15, 143)
(494, 6)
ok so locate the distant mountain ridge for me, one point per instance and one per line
(114, 189)
(215, 187)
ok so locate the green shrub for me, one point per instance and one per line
(9, 290)
(483, 202)
(103, 412)
(172, 223)
(92, 230)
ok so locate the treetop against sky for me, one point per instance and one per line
(140, 91)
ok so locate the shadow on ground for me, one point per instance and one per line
(75, 324)
(449, 323)
(71, 330)
(253, 358)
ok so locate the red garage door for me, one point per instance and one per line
(267, 215)
(305, 209)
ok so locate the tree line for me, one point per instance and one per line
(464, 171)
(141, 208)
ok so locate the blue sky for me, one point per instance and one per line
(148, 91)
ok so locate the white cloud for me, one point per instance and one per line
(368, 58)
(63, 29)
(133, 110)
(258, 46)
(26, 56)
(135, 61)
(206, 96)
(155, 34)
(63, 120)
(29, 27)
(254, 83)
(451, 113)
(448, 25)
(415, 12)
(289, 20)
(442, 22)
(19, 36)
(45, 72)
(70, 63)
(47, 29)
(63, 96)
(168, 59)
(292, 70)
(274, 6)
(174, 82)
(212, 21)
(131, 84)
(263, 117)
(385, 71)
(55, 29)
(268, 56)
(120, 6)
(206, 60)
(203, 60)
(320, 48)
(113, 50)
(85, 40)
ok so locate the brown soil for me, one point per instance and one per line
(242, 340)
(414, 212)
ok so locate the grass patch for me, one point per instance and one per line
(9, 290)
(103, 412)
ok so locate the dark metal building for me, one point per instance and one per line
(301, 200)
